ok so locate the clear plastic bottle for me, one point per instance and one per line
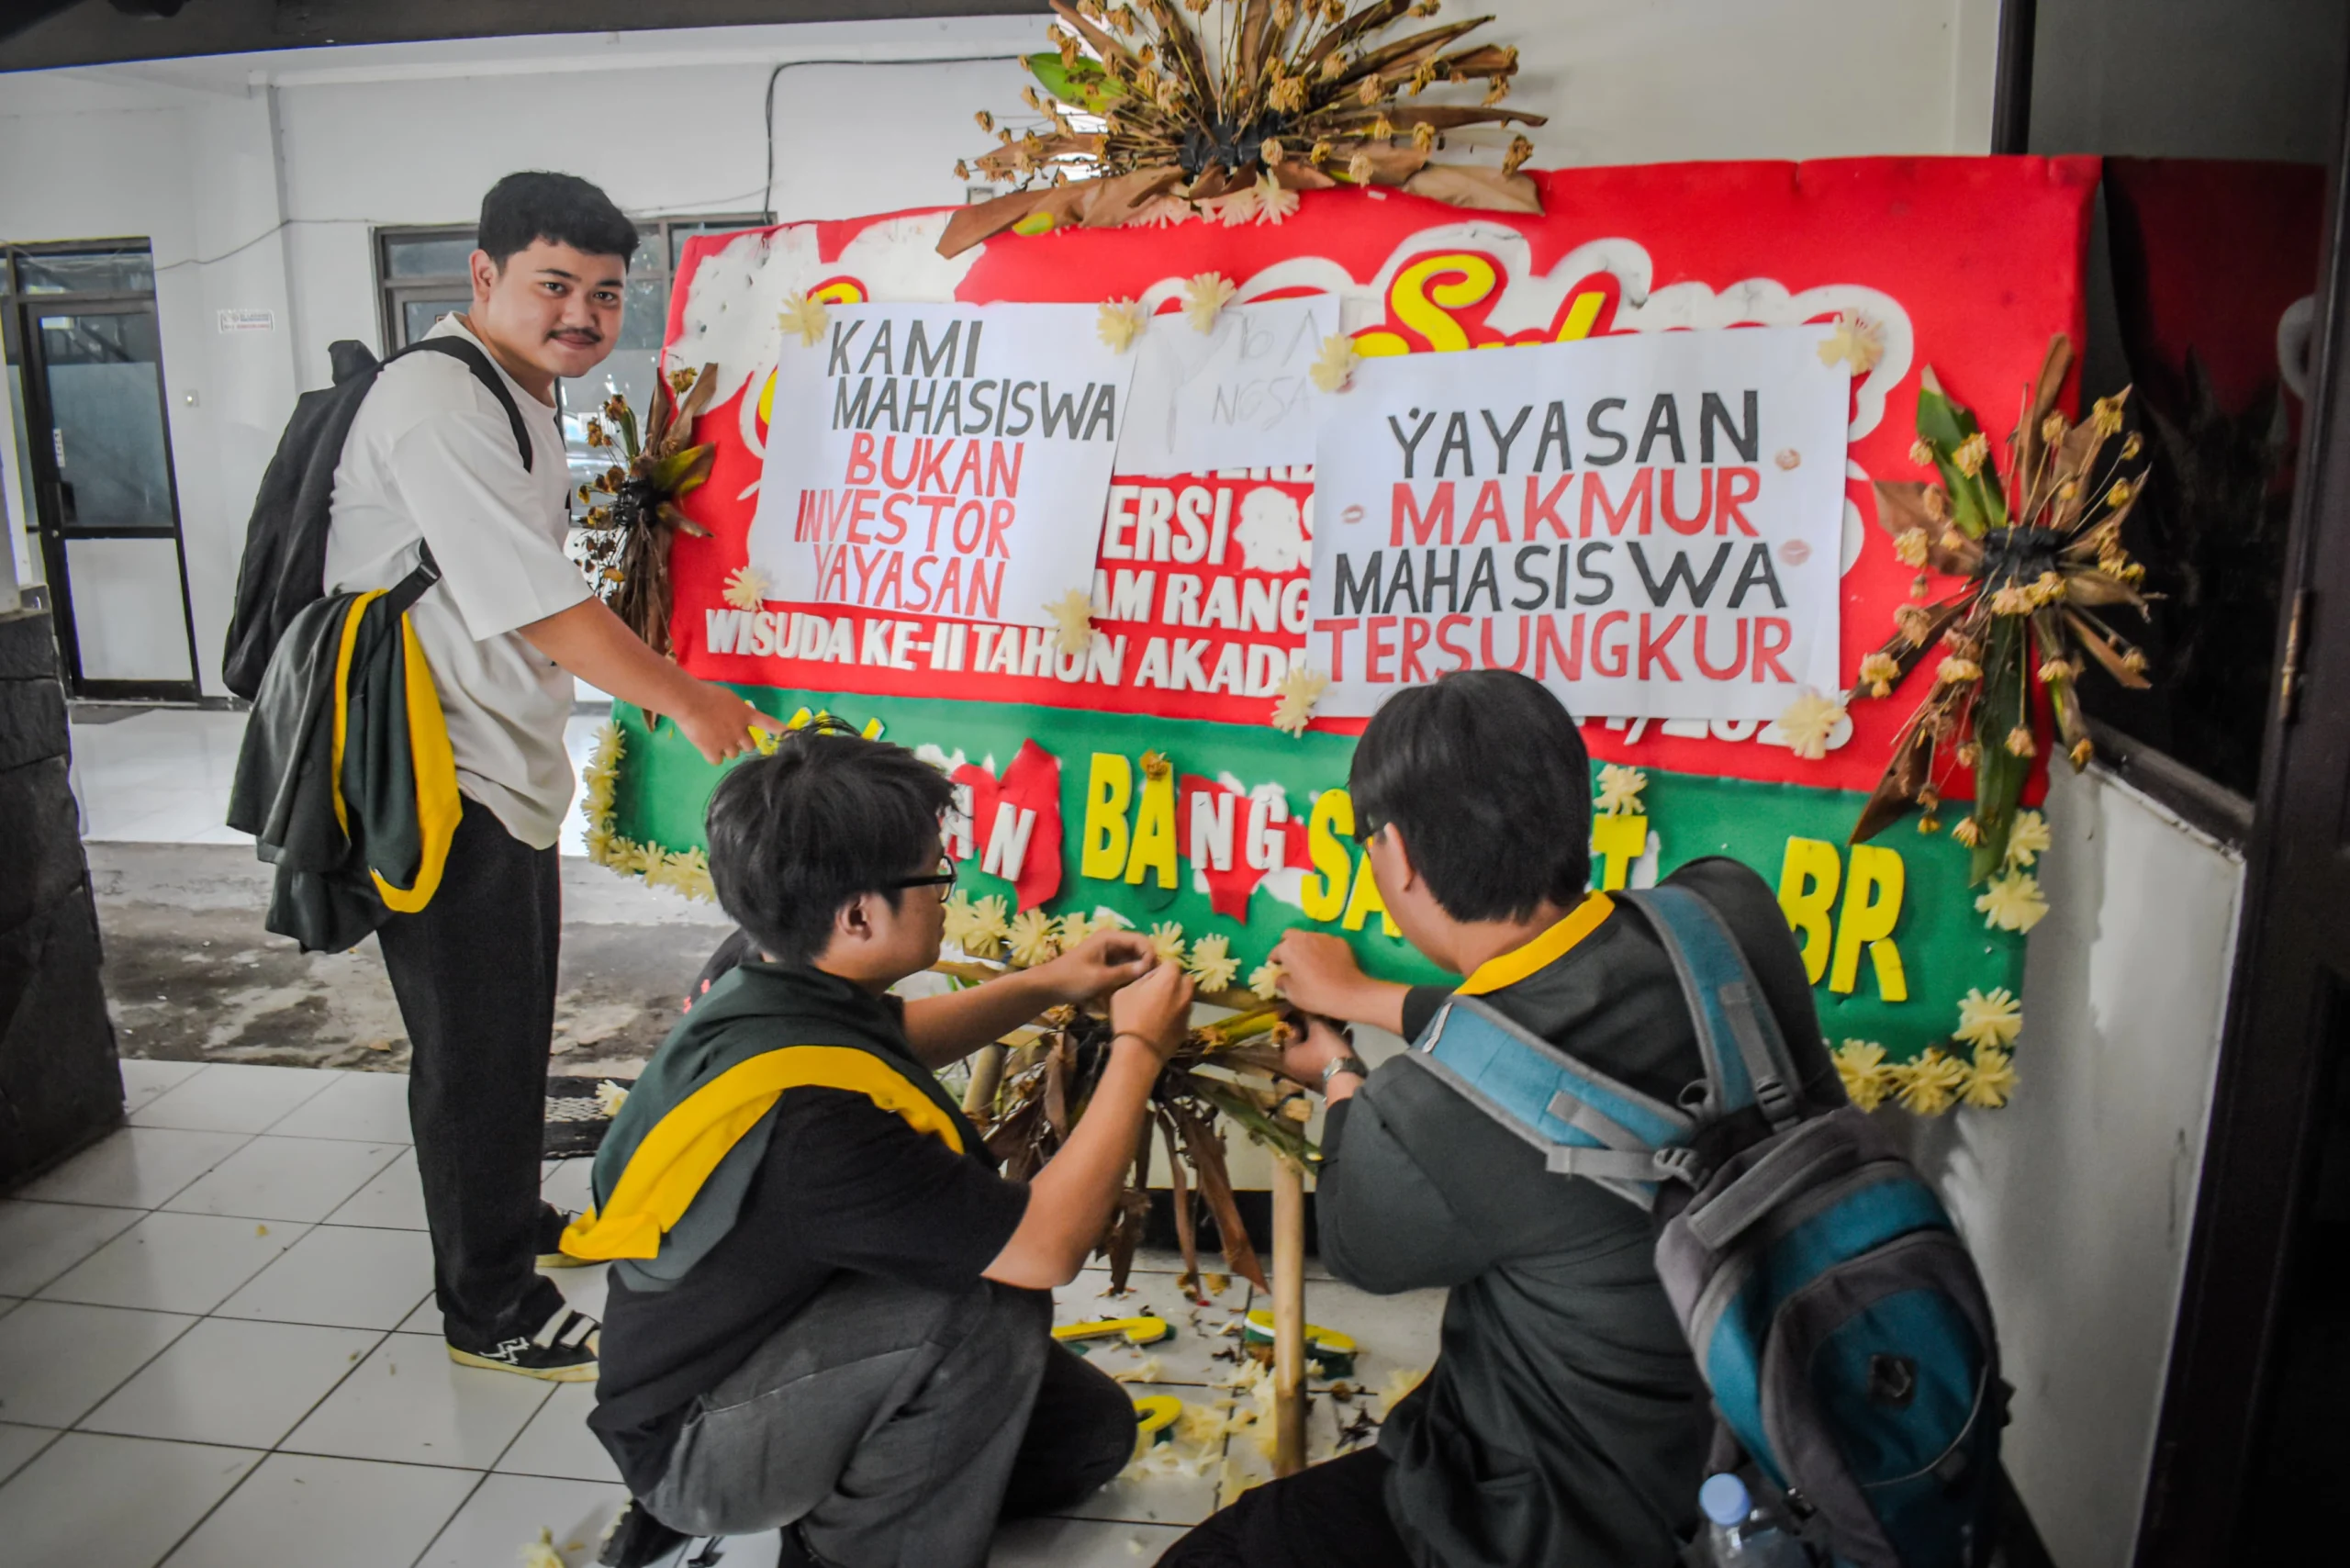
(1737, 1537)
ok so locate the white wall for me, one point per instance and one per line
(2077, 1198)
(206, 157)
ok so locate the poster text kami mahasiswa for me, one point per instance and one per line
(1647, 524)
(940, 460)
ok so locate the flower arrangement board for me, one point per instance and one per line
(1157, 751)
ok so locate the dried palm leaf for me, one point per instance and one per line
(2040, 553)
(1298, 91)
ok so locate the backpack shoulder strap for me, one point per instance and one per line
(1583, 1122)
(1745, 1054)
(467, 353)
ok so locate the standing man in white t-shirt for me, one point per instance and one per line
(432, 459)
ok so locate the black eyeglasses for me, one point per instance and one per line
(1369, 829)
(943, 877)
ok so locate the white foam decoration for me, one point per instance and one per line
(1761, 302)
(1855, 526)
(1272, 531)
(1529, 301)
(733, 305)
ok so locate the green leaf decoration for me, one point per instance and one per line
(1085, 84)
(1976, 504)
(1999, 774)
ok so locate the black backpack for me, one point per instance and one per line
(284, 565)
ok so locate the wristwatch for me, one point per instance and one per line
(1347, 1063)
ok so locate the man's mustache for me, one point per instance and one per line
(577, 334)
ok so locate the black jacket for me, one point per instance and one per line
(345, 779)
(1564, 1424)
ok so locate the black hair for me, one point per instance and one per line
(1486, 774)
(827, 818)
(563, 208)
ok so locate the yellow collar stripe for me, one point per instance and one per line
(1542, 952)
(668, 1168)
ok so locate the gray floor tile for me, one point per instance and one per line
(343, 1276)
(245, 1384)
(93, 1501)
(507, 1513)
(277, 1178)
(173, 1262)
(302, 1511)
(40, 1241)
(140, 1168)
(407, 1402)
(59, 1358)
(233, 1097)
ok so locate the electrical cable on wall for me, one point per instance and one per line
(766, 190)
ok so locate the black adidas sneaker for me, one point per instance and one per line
(563, 1349)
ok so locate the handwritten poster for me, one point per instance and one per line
(1648, 523)
(947, 461)
(1241, 395)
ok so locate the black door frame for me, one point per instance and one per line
(24, 348)
(2292, 961)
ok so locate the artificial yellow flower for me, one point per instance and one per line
(1620, 791)
(1867, 1080)
(1992, 1021)
(2019, 742)
(1275, 201)
(2012, 600)
(2012, 902)
(1807, 723)
(1034, 938)
(1909, 546)
(1073, 617)
(1972, 454)
(1265, 979)
(1205, 296)
(1878, 672)
(805, 317)
(978, 927)
(1953, 669)
(1334, 367)
(2028, 839)
(1167, 942)
(1922, 452)
(1929, 1084)
(1968, 832)
(1119, 322)
(1210, 961)
(1300, 689)
(1991, 1083)
(747, 589)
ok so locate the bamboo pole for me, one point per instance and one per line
(1289, 1318)
(987, 1077)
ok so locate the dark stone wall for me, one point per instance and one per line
(59, 1084)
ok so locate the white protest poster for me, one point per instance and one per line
(1240, 395)
(945, 460)
(1648, 523)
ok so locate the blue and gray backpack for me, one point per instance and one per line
(1833, 1310)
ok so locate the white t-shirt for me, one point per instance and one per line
(431, 457)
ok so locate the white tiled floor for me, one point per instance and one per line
(162, 776)
(218, 1350)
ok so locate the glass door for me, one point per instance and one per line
(98, 448)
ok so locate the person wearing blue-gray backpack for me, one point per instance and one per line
(1672, 1249)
